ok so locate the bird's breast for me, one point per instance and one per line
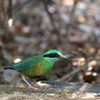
(38, 69)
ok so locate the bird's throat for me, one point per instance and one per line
(48, 64)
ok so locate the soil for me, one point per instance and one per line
(16, 93)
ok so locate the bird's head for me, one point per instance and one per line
(53, 55)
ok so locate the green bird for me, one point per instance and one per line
(37, 66)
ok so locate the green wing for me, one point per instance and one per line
(26, 63)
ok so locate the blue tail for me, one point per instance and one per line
(8, 67)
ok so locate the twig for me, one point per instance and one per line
(16, 9)
(10, 9)
(4, 11)
(49, 14)
(84, 86)
(70, 25)
(1, 13)
(73, 72)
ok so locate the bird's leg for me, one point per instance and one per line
(28, 83)
(35, 83)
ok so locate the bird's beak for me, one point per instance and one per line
(64, 57)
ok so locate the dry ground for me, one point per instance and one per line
(15, 93)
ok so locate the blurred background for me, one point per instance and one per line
(31, 27)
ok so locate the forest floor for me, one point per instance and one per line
(16, 93)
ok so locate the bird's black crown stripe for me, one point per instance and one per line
(52, 55)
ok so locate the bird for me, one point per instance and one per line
(37, 66)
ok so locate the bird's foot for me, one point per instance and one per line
(37, 89)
